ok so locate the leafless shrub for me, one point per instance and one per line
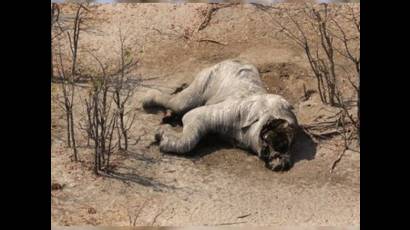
(106, 106)
(122, 92)
(55, 13)
(318, 44)
(68, 76)
(329, 36)
(349, 43)
(101, 118)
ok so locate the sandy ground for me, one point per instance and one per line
(218, 184)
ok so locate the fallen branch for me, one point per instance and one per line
(243, 216)
(325, 129)
(319, 135)
(347, 137)
(214, 7)
(212, 41)
(337, 160)
(325, 134)
(307, 132)
(231, 223)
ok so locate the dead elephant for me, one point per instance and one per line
(229, 99)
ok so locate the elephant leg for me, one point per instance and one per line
(180, 103)
(183, 142)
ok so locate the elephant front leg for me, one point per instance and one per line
(180, 143)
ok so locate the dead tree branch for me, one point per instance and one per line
(67, 78)
(101, 118)
(212, 41)
(121, 93)
(209, 13)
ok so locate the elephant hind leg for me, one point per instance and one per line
(155, 98)
(179, 103)
(183, 99)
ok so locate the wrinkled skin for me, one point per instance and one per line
(229, 99)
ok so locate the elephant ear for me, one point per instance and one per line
(249, 120)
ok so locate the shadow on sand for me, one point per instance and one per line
(129, 175)
(304, 147)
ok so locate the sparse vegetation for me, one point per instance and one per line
(106, 108)
(68, 77)
(109, 89)
(101, 118)
(329, 36)
(123, 92)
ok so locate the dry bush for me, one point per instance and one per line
(55, 14)
(109, 83)
(329, 35)
(68, 23)
(106, 108)
(67, 65)
(123, 90)
(101, 118)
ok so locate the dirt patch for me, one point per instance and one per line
(285, 79)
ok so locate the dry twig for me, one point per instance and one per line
(212, 41)
(211, 10)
